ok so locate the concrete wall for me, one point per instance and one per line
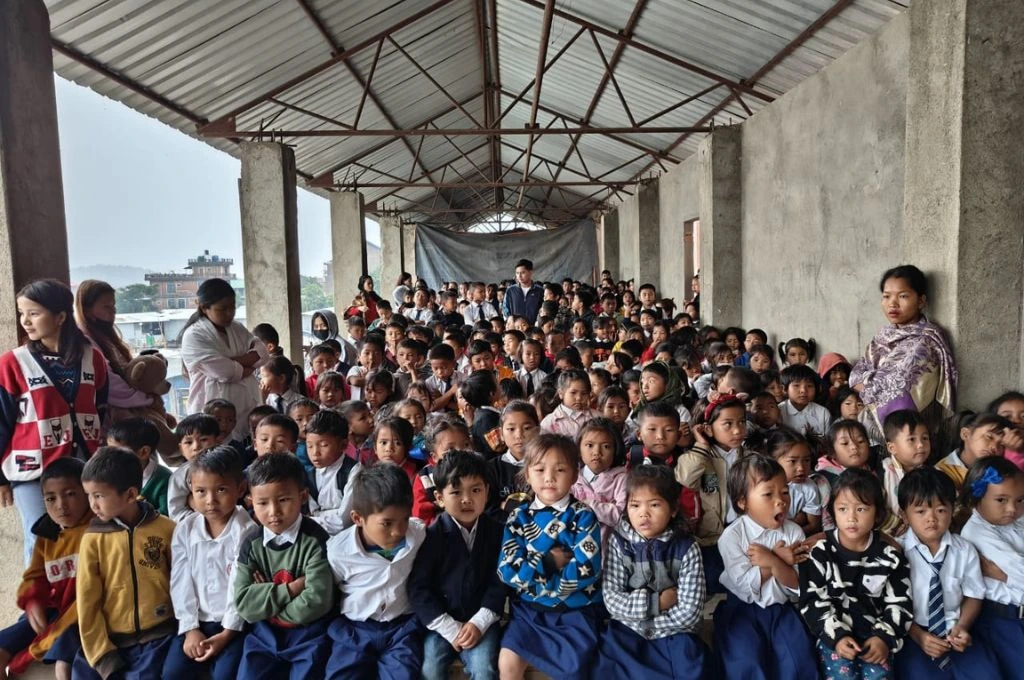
(680, 203)
(629, 238)
(822, 181)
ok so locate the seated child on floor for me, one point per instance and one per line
(519, 424)
(792, 451)
(330, 482)
(142, 437)
(196, 433)
(909, 446)
(602, 480)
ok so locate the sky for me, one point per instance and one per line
(140, 193)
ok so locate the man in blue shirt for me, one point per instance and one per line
(523, 299)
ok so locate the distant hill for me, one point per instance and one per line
(116, 275)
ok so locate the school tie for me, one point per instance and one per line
(936, 606)
(529, 384)
(418, 312)
(447, 385)
(480, 313)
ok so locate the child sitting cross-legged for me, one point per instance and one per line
(283, 583)
(203, 553)
(123, 590)
(454, 588)
(330, 483)
(377, 634)
(48, 631)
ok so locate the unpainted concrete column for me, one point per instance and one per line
(963, 204)
(721, 227)
(270, 242)
(610, 244)
(348, 244)
(409, 249)
(648, 233)
(33, 234)
(390, 251)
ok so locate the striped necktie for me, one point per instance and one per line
(936, 605)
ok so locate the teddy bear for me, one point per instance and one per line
(148, 373)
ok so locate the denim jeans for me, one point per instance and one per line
(28, 498)
(480, 662)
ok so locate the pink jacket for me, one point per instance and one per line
(606, 496)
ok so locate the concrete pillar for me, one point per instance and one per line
(270, 242)
(963, 204)
(648, 233)
(721, 227)
(409, 251)
(688, 265)
(348, 244)
(33, 235)
(390, 251)
(610, 244)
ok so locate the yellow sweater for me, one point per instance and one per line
(123, 588)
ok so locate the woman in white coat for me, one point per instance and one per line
(221, 355)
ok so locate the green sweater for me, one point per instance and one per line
(155, 492)
(280, 566)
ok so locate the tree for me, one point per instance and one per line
(138, 297)
(313, 294)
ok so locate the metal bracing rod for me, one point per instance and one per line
(462, 132)
(473, 183)
(538, 81)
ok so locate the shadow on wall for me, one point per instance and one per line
(10, 545)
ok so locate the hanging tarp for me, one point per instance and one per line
(569, 251)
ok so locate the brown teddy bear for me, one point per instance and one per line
(148, 373)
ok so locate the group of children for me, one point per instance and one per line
(495, 494)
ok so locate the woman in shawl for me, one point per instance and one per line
(221, 355)
(908, 364)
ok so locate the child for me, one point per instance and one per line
(391, 443)
(762, 358)
(226, 415)
(203, 553)
(630, 382)
(834, 372)
(574, 411)
(529, 374)
(653, 586)
(442, 380)
(764, 412)
(360, 427)
(276, 434)
(754, 337)
(142, 437)
(519, 424)
(848, 404)
(276, 377)
(602, 480)
(48, 631)
(321, 360)
(797, 351)
(799, 411)
(253, 421)
(551, 558)
(994, 490)
(413, 411)
(330, 483)
(456, 594)
(377, 634)
(123, 590)
(909, 445)
(847, 447)
(480, 390)
(981, 436)
(301, 410)
(420, 391)
(411, 356)
(331, 390)
(1010, 405)
(790, 449)
(600, 380)
(378, 389)
(283, 584)
(946, 582)
(855, 586)
(613, 404)
(660, 382)
(444, 434)
(371, 356)
(758, 632)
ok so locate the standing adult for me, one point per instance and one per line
(53, 393)
(402, 286)
(221, 355)
(524, 298)
(370, 298)
(908, 364)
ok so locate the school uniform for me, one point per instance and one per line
(758, 632)
(508, 490)
(486, 432)
(811, 419)
(938, 585)
(954, 468)
(202, 570)
(178, 493)
(566, 421)
(479, 311)
(605, 493)
(440, 387)
(530, 381)
(804, 497)
(377, 633)
(403, 379)
(1001, 623)
(453, 581)
(280, 402)
(420, 316)
(155, 480)
(554, 617)
(330, 494)
(355, 372)
(641, 640)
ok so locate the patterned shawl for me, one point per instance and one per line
(673, 387)
(912, 360)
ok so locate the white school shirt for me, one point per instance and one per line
(332, 508)
(960, 575)
(355, 372)
(1005, 547)
(803, 497)
(419, 315)
(730, 457)
(436, 385)
(472, 313)
(177, 494)
(203, 569)
(743, 579)
(445, 625)
(813, 419)
(372, 588)
(536, 376)
(286, 537)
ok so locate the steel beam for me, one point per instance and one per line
(462, 132)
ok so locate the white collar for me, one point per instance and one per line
(754, 530)
(468, 535)
(201, 533)
(510, 459)
(588, 475)
(289, 535)
(333, 467)
(560, 505)
(150, 468)
(911, 541)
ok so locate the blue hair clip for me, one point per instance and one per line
(980, 486)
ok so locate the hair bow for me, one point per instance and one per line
(721, 400)
(980, 486)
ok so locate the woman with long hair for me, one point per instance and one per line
(53, 394)
(370, 298)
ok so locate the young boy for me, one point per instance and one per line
(377, 634)
(48, 631)
(330, 482)
(442, 381)
(481, 358)
(275, 434)
(226, 415)
(203, 554)
(283, 582)
(457, 341)
(530, 375)
(799, 411)
(370, 358)
(909, 446)
(511, 341)
(360, 427)
(142, 437)
(411, 356)
(946, 584)
(123, 593)
(322, 358)
(196, 432)
(454, 589)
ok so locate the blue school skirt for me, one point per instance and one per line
(1001, 627)
(558, 642)
(625, 653)
(763, 642)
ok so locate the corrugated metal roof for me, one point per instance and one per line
(189, 62)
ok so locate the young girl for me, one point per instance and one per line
(981, 436)
(301, 410)
(519, 425)
(413, 411)
(733, 338)
(855, 586)
(574, 411)
(758, 632)
(847, 404)
(1010, 405)
(331, 390)
(613, 404)
(445, 434)
(660, 382)
(790, 449)
(630, 382)
(834, 371)
(762, 358)
(379, 389)
(602, 480)
(618, 363)
(545, 401)
(652, 556)
(846, 446)
(360, 427)
(600, 379)
(797, 351)
(276, 378)
(392, 440)
(420, 391)
(994, 490)
(551, 558)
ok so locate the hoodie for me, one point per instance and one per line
(349, 354)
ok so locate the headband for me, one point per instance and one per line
(722, 400)
(980, 486)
